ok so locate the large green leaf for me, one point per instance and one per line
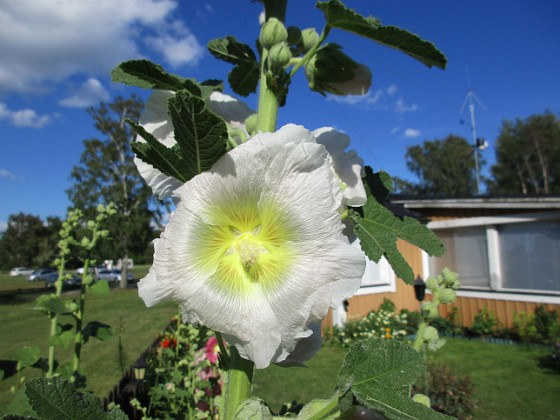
(379, 228)
(100, 288)
(167, 159)
(57, 399)
(147, 75)
(200, 134)
(341, 17)
(379, 374)
(244, 77)
(26, 356)
(98, 330)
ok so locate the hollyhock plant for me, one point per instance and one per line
(255, 254)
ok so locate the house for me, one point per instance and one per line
(506, 251)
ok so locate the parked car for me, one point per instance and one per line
(51, 278)
(112, 275)
(41, 274)
(21, 271)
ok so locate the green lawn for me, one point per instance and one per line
(122, 309)
(509, 382)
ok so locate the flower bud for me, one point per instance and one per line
(272, 32)
(430, 334)
(251, 124)
(279, 56)
(430, 308)
(330, 70)
(421, 399)
(447, 296)
(450, 279)
(432, 283)
(309, 38)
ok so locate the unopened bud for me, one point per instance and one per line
(430, 308)
(421, 399)
(432, 283)
(272, 32)
(309, 38)
(447, 296)
(279, 56)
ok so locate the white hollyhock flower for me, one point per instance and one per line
(156, 120)
(256, 252)
(348, 166)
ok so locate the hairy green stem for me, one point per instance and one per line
(54, 316)
(237, 384)
(267, 115)
(419, 341)
(79, 316)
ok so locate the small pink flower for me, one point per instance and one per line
(212, 350)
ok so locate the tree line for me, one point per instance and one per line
(527, 162)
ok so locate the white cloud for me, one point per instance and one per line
(88, 94)
(411, 133)
(401, 107)
(177, 45)
(3, 226)
(391, 90)
(47, 41)
(23, 117)
(395, 130)
(5, 174)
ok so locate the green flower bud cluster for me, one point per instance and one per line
(330, 70)
(431, 339)
(272, 32)
(443, 287)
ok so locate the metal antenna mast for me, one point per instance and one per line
(477, 143)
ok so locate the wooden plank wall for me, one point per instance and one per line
(403, 298)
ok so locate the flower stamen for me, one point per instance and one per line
(248, 248)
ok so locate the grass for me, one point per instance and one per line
(509, 382)
(122, 309)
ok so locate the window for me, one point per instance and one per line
(467, 253)
(506, 254)
(378, 277)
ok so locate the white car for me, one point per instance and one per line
(21, 271)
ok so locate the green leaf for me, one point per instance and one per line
(200, 134)
(19, 408)
(26, 356)
(379, 228)
(147, 75)
(254, 409)
(63, 339)
(100, 288)
(321, 409)
(167, 160)
(244, 77)
(98, 330)
(341, 17)
(51, 304)
(57, 399)
(379, 374)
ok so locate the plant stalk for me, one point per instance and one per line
(54, 316)
(237, 384)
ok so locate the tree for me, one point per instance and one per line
(527, 156)
(28, 241)
(107, 174)
(445, 168)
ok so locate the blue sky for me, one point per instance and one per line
(57, 55)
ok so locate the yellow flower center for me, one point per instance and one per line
(248, 248)
(245, 244)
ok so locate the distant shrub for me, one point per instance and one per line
(449, 393)
(542, 326)
(485, 323)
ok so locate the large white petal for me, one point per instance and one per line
(347, 165)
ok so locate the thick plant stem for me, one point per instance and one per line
(267, 115)
(237, 384)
